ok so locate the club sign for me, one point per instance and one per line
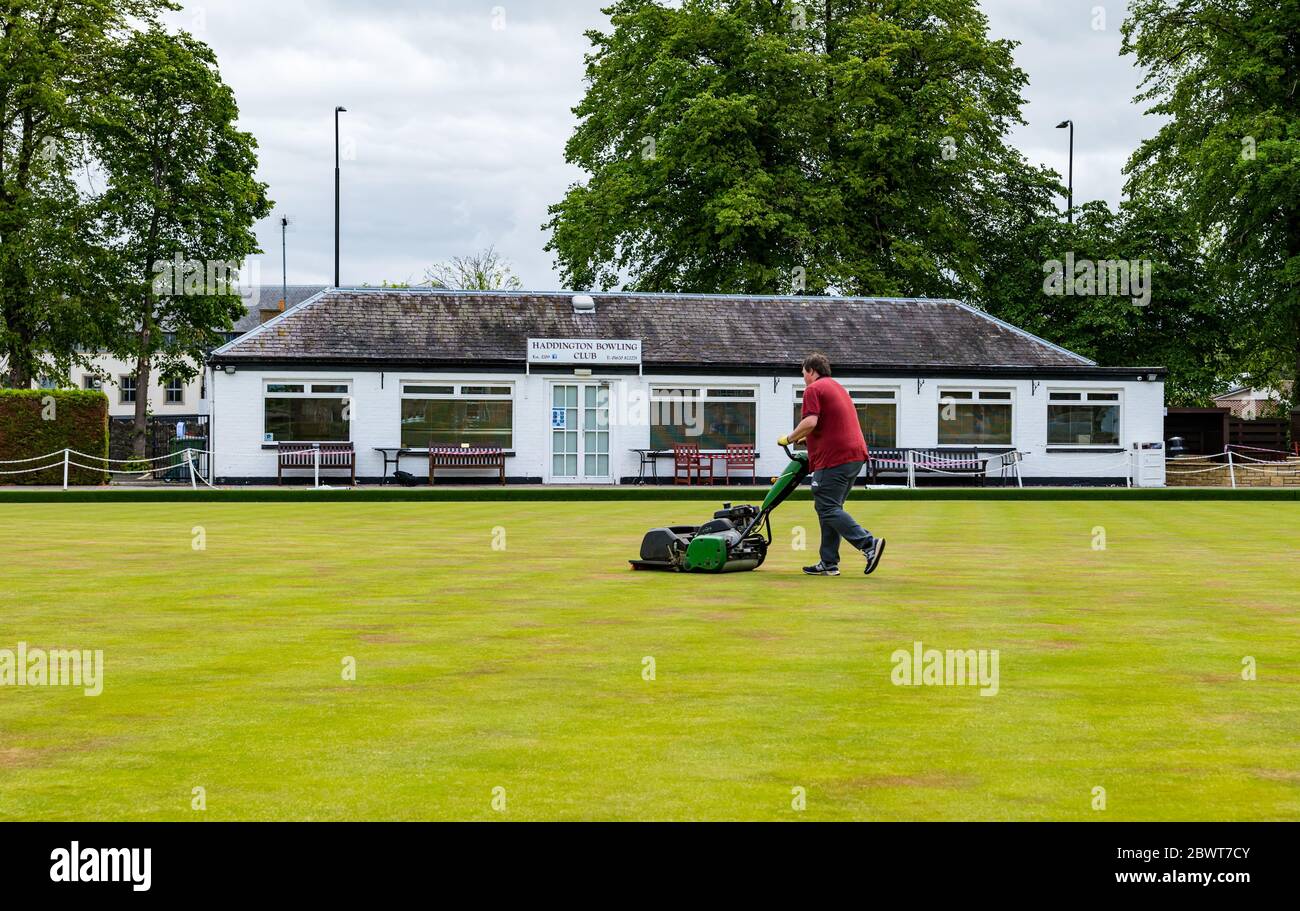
(622, 352)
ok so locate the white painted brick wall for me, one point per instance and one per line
(238, 418)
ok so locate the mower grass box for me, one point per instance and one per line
(736, 540)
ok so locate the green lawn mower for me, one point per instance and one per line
(735, 541)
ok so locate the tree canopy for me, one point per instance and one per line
(771, 146)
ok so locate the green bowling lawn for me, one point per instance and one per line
(502, 652)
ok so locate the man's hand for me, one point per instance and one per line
(784, 441)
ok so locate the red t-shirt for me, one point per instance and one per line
(838, 438)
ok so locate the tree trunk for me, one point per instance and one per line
(143, 369)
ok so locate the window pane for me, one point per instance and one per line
(330, 389)
(1103, 396)
(1083, 425)
(971, 423)
(1067, 397)
(429, 390)
(872, 394)
(957, 394)
(286, 388)
(709, 425)
(879, 424)
(430, 423)
(995, 396)
(731, 393)
(307, 420)
(485, 390)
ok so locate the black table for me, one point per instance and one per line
(393, 458)
(649, 457)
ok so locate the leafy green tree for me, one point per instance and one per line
(1176, 321)
(1226, 75)
(755, 146)
(486, 270)
(51, 54)
(179, 206)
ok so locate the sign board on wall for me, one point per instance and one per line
(596, 351)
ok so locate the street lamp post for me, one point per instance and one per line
(338, 110)
(284, 260)
(1070, 200)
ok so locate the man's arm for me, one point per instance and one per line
(805, 428)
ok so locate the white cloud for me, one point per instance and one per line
(459, 126)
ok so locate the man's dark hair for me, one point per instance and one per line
(818, 364)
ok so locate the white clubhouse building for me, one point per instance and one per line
(570, 386)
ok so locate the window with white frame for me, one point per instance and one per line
(126, 390)
(307, 411)
(710, 417)
(1079, 418)
(877, 414)
(174, 391)
(975, 417)
(439, 413)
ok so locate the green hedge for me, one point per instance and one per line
(34, 422)
(634, 494)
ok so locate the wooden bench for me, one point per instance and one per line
(333, 456)
(466, 459)
(961, 462)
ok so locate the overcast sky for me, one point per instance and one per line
(458, 112)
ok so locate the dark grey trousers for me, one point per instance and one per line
(831, 488)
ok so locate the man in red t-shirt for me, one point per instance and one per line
(836, 453)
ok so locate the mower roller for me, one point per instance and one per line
(735, 541)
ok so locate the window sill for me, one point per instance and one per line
(966, 447)
(409, 453)
(1086, 449)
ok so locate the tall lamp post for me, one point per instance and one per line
(338, 110)
(1070, 201)
(284, 260)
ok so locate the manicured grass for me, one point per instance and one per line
(521, 668)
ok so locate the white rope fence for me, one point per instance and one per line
(143, 467)
(1237, 461)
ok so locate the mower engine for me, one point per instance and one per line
(736, 540)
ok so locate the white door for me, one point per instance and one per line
(580, 433)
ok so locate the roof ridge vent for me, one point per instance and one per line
(584, 303)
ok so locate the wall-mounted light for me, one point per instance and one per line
(582, 371)
(230, 370)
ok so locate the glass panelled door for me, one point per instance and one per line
(580, 432)
(595, 437)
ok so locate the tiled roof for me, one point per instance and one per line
(268, 298)
(431, 327)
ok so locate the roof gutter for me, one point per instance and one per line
(519, 365)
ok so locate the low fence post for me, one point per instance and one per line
(189, 461)
(316, 462)
(1232, 469)
(911, 469)
(65, 469)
